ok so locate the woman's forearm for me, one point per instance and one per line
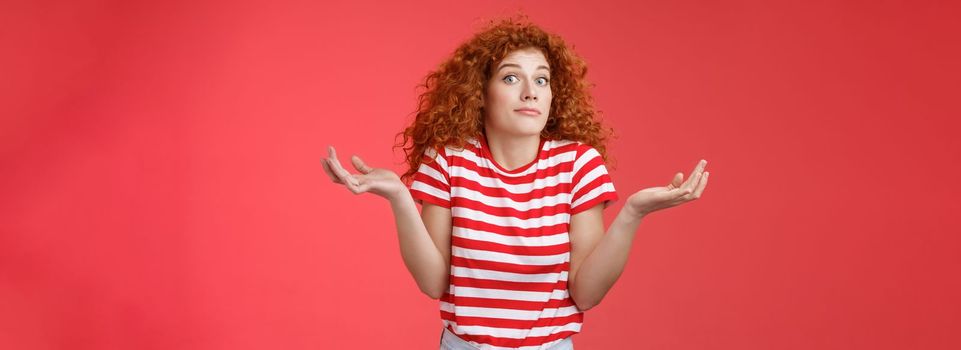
(422, 258)
(604, 265)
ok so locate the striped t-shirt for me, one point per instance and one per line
(510, 248)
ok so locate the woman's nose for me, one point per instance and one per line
(529, 93)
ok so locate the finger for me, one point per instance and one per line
(700, 175)
(360, 166)
(692, 180)
(676, 182)
(341, 173)
(332, 152)
(330, 172)
(338, 169)
(337, 174)
(701, 185)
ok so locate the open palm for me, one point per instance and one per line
(648, 200)
(382, 182)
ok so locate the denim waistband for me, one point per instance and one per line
(450, 341)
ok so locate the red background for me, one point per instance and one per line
(160, 183)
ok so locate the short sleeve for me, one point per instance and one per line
(592, 184)
(431, 182)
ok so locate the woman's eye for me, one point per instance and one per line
(510, 79)
(542, 81)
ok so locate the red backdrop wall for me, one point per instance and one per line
(161, 185)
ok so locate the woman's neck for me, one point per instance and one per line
(513, 152)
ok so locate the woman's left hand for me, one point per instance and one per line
(677, 192)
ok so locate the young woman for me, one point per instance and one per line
(507, 160)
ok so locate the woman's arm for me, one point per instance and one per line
(598, 259)
(424, 243)
(424, 240)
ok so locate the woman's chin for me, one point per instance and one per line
(528, 130)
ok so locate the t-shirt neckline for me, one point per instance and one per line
(485, 151)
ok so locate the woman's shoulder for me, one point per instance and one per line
(570, 145)
(471, 145)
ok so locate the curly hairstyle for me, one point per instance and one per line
(450, 110)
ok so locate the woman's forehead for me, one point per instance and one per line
(528, 56)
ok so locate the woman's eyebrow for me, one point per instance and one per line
(505, 65)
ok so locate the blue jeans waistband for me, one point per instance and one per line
(450, 341)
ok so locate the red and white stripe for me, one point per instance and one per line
(510, 248)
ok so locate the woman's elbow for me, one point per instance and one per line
(433, 294)
(584, 305)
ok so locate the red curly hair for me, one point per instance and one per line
(450, 110)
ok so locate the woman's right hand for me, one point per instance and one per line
(382, 182)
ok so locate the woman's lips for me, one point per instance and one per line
(528, 111)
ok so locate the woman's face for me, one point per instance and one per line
(518, 97)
